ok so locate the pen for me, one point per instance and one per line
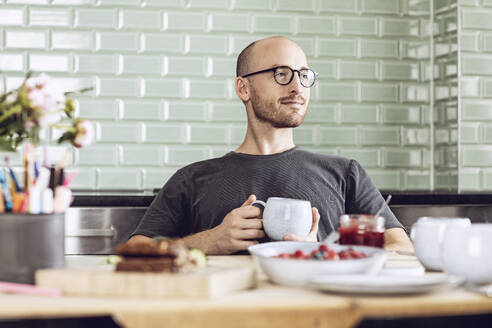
(61, 176)
(11, 287)
(18, 202)
(13, 190)
(27, 167)
(6, 193)
(12, 175)
(36, 170)
(70, 178)
(52, 182)
(2, 201)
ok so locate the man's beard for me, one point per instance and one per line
(268, 111)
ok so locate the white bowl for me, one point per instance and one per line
(427, 235)
(295, 272)
(466, 252)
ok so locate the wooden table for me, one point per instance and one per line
(268, 305)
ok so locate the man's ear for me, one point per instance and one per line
(242, 88)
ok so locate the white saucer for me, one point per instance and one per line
(383, 285)
(402, 271)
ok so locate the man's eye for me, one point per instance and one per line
(305, 74)
(281, 74)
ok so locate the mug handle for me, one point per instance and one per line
(412, 233)
(262, 203)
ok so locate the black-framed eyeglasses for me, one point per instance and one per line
(283, 75)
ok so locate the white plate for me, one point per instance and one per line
(295, 272)
(383, 285)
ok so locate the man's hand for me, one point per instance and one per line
(240, 229)
(139, 239)
(397, 239)
(312, 235)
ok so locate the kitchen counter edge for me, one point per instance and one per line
(104, 199)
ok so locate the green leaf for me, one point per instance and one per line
(67, 136)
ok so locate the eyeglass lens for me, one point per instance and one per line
(283, 75)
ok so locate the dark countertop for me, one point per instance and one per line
(144, 198)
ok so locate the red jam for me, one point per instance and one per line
(365, 230)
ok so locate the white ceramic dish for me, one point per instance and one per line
(466, 252)
(427, 235)
(295, 272)
(383, 285)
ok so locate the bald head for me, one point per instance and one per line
(255, 50)
(242, 65)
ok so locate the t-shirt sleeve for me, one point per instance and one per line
(363, 197)
(166, 214)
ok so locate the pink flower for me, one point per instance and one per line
(36, 98)
(46, 99)
(84, 133)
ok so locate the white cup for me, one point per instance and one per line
(283, 216)
(466, 252)
(427, 235)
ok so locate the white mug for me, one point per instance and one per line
(466, 252)
(427, 235)
(283, 216)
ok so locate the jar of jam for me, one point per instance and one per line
(360, 229)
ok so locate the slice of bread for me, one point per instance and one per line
(155, 256)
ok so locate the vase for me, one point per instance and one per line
(29, 242)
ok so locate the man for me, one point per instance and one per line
(201, 203)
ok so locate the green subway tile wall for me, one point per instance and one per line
(445, 107)
(163, 74)
(475, 59)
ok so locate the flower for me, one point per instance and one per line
(37, 104)
(80, 134)
(84, 133)
(44, 94)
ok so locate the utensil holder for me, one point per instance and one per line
(29, 242)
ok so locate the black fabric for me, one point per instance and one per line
(73, 322)
(455, 321)
(198, 196)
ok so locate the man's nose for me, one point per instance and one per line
(295, 85)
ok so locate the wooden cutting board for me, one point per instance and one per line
(214, 280)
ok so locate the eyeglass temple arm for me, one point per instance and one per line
(262, 71)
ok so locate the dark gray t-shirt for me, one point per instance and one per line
(198, 196)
